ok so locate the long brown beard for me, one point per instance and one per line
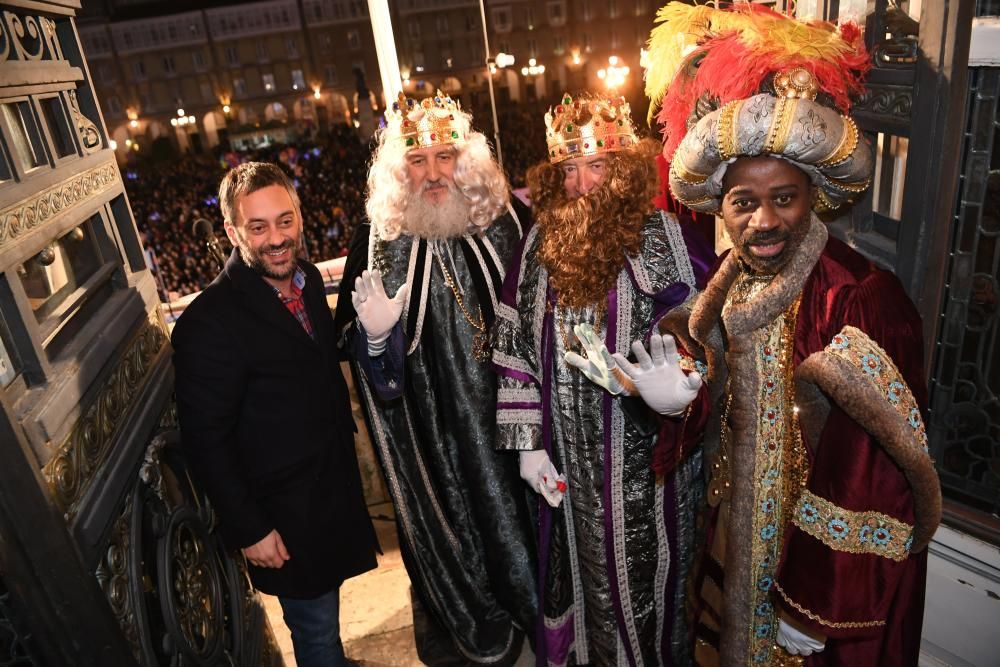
(585, 242)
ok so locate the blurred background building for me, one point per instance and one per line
(197, 74)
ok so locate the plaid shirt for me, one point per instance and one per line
(294, 303)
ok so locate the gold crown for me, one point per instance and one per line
(608, 128)
(435, 121)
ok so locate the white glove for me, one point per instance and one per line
(599, 364)
(376, 311)
(660, 380)
(537, 470)
(797, 642)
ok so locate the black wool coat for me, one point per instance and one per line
(267, 430)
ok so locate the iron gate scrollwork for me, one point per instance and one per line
(180, 598)
(965, 429)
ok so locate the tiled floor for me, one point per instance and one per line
(375, 621)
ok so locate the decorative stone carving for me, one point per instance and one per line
(71, 471)
(28, 214)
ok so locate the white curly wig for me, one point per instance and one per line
(477, 176)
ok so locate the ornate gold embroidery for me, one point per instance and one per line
(856, 348)
(726, 129)
(830, 624)
(779, 460)
(682, 173)
(849, 187)
(781, 125)
(853, 532)
(844, 150)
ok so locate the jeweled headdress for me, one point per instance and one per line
(748, 81)
(588, 126)
(434, 121)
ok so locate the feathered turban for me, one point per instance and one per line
(748, 81)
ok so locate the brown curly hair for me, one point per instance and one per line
(585, 241)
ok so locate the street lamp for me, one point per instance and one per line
(502, 60)
(614, 76)
(533, 68)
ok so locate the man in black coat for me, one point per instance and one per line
(265, 415)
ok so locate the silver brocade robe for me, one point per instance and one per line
(615, 554)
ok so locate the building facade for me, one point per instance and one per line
(281, 68)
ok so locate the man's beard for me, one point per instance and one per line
(771, 265)
(444, 220)
(585, 244)
(257, 262)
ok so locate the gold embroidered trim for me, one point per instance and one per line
(856, 348)
(844, 150)
(682, 173)
(823, 202)
(849, 187)
(830, 624)
(781, 125)
(853, 532)
(726, 130)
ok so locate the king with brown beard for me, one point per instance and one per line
(600, 268)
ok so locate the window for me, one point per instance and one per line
(105, 74)
(414, 29)
(442, 25)
(232, 56)
(614, 39)
(559, 45)
(529, 17)
(58, 270)
(206, 92)
(612, 8)
(262, 52)
(138, 70)
(114, 106)
(556, 13)
(325, 44)
(585, 10)
(298, 80)
(169, 67)
(198, 58)
(446, 59)
(353, 40)
(267, 80)
(67, 282)
(330, 74)
(10, 364)
(640, 7)
(501, 19)
(59, 128)
(471, 23)
(239, 87)
(588, 46)
(291, 47)
(26, 138)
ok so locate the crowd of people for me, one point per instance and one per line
(329, 173)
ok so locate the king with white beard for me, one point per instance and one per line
(417, 301)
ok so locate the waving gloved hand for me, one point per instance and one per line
(797, 642)
(659, 378)
(537, 470)
(599, 365)
(376, 311)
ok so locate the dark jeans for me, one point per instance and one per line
(315, 626)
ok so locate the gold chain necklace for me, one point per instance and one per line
(480, 341)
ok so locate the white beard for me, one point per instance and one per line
(427, 220)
